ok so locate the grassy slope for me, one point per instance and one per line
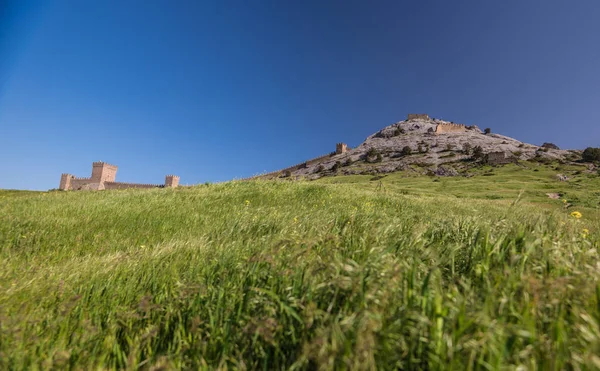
(406, 273)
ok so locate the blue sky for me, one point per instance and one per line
(216, 90)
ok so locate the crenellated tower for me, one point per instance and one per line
(65, 181)
(103, 172)
(171, 181)
(341, 148)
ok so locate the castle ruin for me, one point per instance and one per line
(104, 176)
(441, 128)
(498, 158)
(341, 148)
(450, 128)
(417, 116)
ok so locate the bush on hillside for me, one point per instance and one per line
(550, 146)
(478, 153)
(406, 151)
(372, 152)
(591, 154)
(487, 130)
(467, 147)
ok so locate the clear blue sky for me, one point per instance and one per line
(213, 90)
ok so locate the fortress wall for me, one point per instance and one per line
(450, 128)
(293, 168)
(418, 116)
(81, 183)
(497, 158)
(103, 177)
(121, 185)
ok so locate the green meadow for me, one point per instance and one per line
(402, 271)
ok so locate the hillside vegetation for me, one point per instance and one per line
(346, 272)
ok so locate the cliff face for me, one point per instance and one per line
(451, 147)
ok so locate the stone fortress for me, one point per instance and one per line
(104, 176)
(443, 127)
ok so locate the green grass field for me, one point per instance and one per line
(347, 272)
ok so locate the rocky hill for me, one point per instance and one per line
(425, 145)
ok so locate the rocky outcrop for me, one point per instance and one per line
(417, 144)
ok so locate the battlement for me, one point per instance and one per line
(104, 176)
(102, 163)
(171, 181)
(417, 116)
(450, 128)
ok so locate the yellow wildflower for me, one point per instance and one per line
(576, 215)
(585, 233)
(564, 201)
(247, 202)
(295, 219)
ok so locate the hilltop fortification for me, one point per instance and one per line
(422, 144)
(104, 177)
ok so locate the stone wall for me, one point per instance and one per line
(121, 185)
(339, 149)
(450, 128)
(418, 116)
(80, 184)
(103, 177)
(497, 158)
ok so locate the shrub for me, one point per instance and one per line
(420, 148)
(467, 147)
(430, 130)
(591, 154)
(348, 162)
(379, 158)
(449, 147)
(406, 151)
(487, 130)
(478, 153)
(517, 153)
(320, 169)
(372, 152)
(336, 166)
(550, 146)
(399, 131)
